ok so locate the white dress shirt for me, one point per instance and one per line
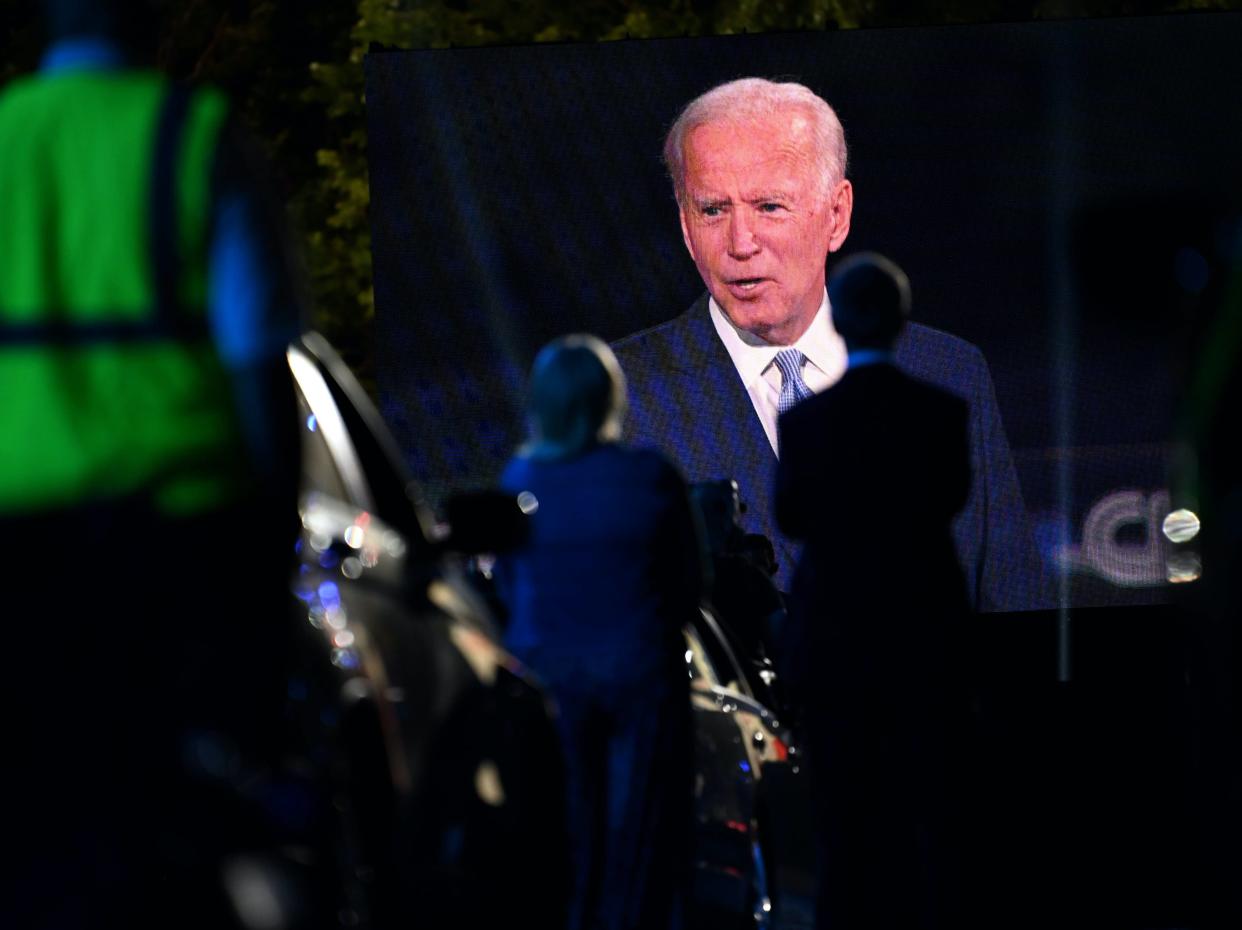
(753, 358)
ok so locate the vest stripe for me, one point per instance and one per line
(63, 332)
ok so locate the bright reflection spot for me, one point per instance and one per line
(344, 658)
(527, 502)
(255, 889)
(351, 567)
(336, 618)
(1181, 525)
(311, 423)
(354, 536)
(689, 655)
(343, 639)
(1184, 567)
(330, 594)
(320, 541)
(487, 784)
(316, 616)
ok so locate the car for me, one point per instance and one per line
(754, 851)
(433, 751)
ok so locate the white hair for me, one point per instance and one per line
(755, 98)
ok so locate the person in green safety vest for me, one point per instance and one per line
(149, 465)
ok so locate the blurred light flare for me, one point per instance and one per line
(394, 545)
(1181, 526)
(329, 594)
(345, 658)
(1184, 567)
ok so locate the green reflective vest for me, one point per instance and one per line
(109, 384)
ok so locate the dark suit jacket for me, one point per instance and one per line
(687, 400)
(872, 472)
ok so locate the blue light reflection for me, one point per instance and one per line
(329, 594)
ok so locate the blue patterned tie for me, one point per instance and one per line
(793, 388)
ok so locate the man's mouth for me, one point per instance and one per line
(742, 287)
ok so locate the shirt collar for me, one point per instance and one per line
(82, 53)
(751, 355)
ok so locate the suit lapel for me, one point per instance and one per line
(707, 374)
(735, 445)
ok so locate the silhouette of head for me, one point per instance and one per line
(870, 298)
(131, 24)
(577, 397)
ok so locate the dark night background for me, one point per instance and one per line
(1061, 194)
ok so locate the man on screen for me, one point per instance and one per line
(758, 170)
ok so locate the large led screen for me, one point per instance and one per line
(1063, 196)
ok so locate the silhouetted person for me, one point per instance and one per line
(597, 603)
(148, 485)
(871, 474)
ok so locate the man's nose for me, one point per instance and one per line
(742, 241)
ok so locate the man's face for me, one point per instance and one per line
(757, 223)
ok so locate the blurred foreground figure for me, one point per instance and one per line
(597, 601)
(871, 474)
(148, 482)
(1207, 479)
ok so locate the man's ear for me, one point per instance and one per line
(685, 232)
(840, 208)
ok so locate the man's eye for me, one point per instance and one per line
(711, 211)
(769, 207)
